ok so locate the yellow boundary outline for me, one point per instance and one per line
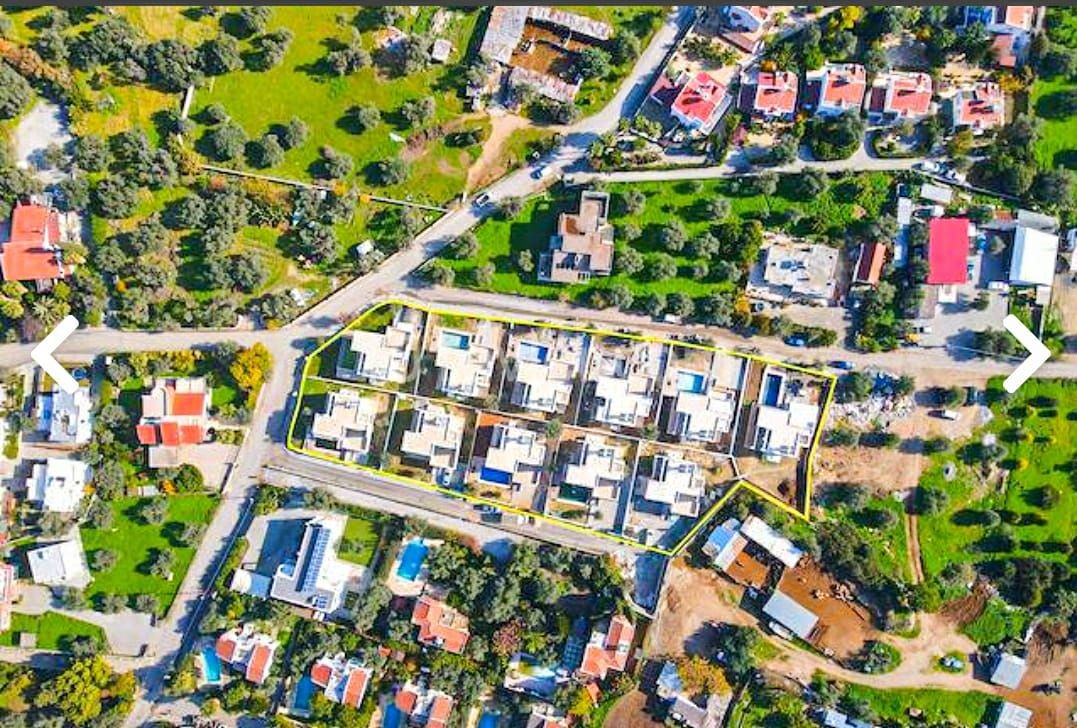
(700, 522)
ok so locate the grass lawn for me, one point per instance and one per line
(1037, 427)
(136, 543)
(53, 630)
(996, 624)
(1057, 146)
(501, 240)
(360, 541)
(966, 708)
(299, 87)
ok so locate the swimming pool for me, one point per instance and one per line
(455, 340)
(690, 382)
(489, 720)
(211, 665)
(411, 560)
(771, 389)
(493, 475)
(392, 717)
(531, 352)
(304, 692)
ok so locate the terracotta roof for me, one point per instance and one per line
(259, 663)
(908, 94)
(775, 92)
(187, 404)
(406, 700)
(30, 253)
(226, 646)
(980, 107)
(844, 86)
(612, 652)
(321, 673)
(147, 434)
(355, 689)
(1002, 48)
(34, 224)
(700, 98)
(170, 434)
(1019, 16)
(870, 267)
(947, 250)
(439, 712)
(440, 625)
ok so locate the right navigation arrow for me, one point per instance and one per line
(1038, 353)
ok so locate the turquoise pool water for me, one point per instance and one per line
(411, 560)
(211, 664)
(392, 717)
(690, 382)
(489, 720)
(304, 692)
(454, 340)
(530, 352)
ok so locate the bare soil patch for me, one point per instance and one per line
(845, 625)
(628, 713)
(491, 163)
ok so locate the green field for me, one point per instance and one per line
(135, 542)
(500, 240)
(997, 623)
(966, 708)
(53, 630)
(1039, 441)
(1057, 145)
(257, 100)
(360, 541)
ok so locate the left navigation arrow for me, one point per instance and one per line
(42, 354)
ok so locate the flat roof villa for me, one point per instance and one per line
(594, 469)
(342, 681)
(381, 357)
(582, 247)
(700, 416)
(784, 418)
(434, 436)
(465, 360)
(624, 383)
(675, 482)
(514, 457)
(60, 564)
(316, 579)
(347, 425)
(546, 363)
(248, 652)
(440, 625)
(792, 616)
(797, 272)
(423, 705)
(1032, 262)
(58, 485)
(66, 418)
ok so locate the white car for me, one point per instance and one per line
(929, 166)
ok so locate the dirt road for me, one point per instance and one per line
(912, 538)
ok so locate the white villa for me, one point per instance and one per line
(700, 413)
(546, 369)
(434, 436)
(60, 564)
(675, 482)
(347, 425)
(381, 356)
(67, 418)
(624, 384)
(784, 420)
(58, 485)
(316, 578)
(465, 360)
(514, 458)
(597, 466)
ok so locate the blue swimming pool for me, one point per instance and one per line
(211, 665)
(455, 340)
(493, 475)
(411, 560)
(489, 720)
(392, 717)
(530, 352)
(304, 692)
(771, 389)
(690, 382)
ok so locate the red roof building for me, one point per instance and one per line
(841, 88)
(608, 650)
(900, 96)
(32, 252)
(1007, 50)
(700, 103)
(948, 251)
(175, 414)
(775, 94)
(979, 107)
(343, 681)
(424, 706)
(869, 267)
(248, 652)
(440, 625)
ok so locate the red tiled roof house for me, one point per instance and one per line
(775, 95)
(700, 103)
(31, 254)
(175, 415)
(343, 682)
(979, 107)
(947, 255)
(424, 706)
(869, 266)
(440, 625)
(608, 649)
(247, 652)
(841, 88)
(900, 96)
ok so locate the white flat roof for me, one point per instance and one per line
(1033, 259)
(777, 545)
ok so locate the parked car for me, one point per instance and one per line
(971, 393)
(796, 341)
(541, 172)
(845, 366)
(929, 166)
(482, 199)
(947, 414)
(924, 329)
(1000, 286)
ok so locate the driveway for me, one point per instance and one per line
(44, 125)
